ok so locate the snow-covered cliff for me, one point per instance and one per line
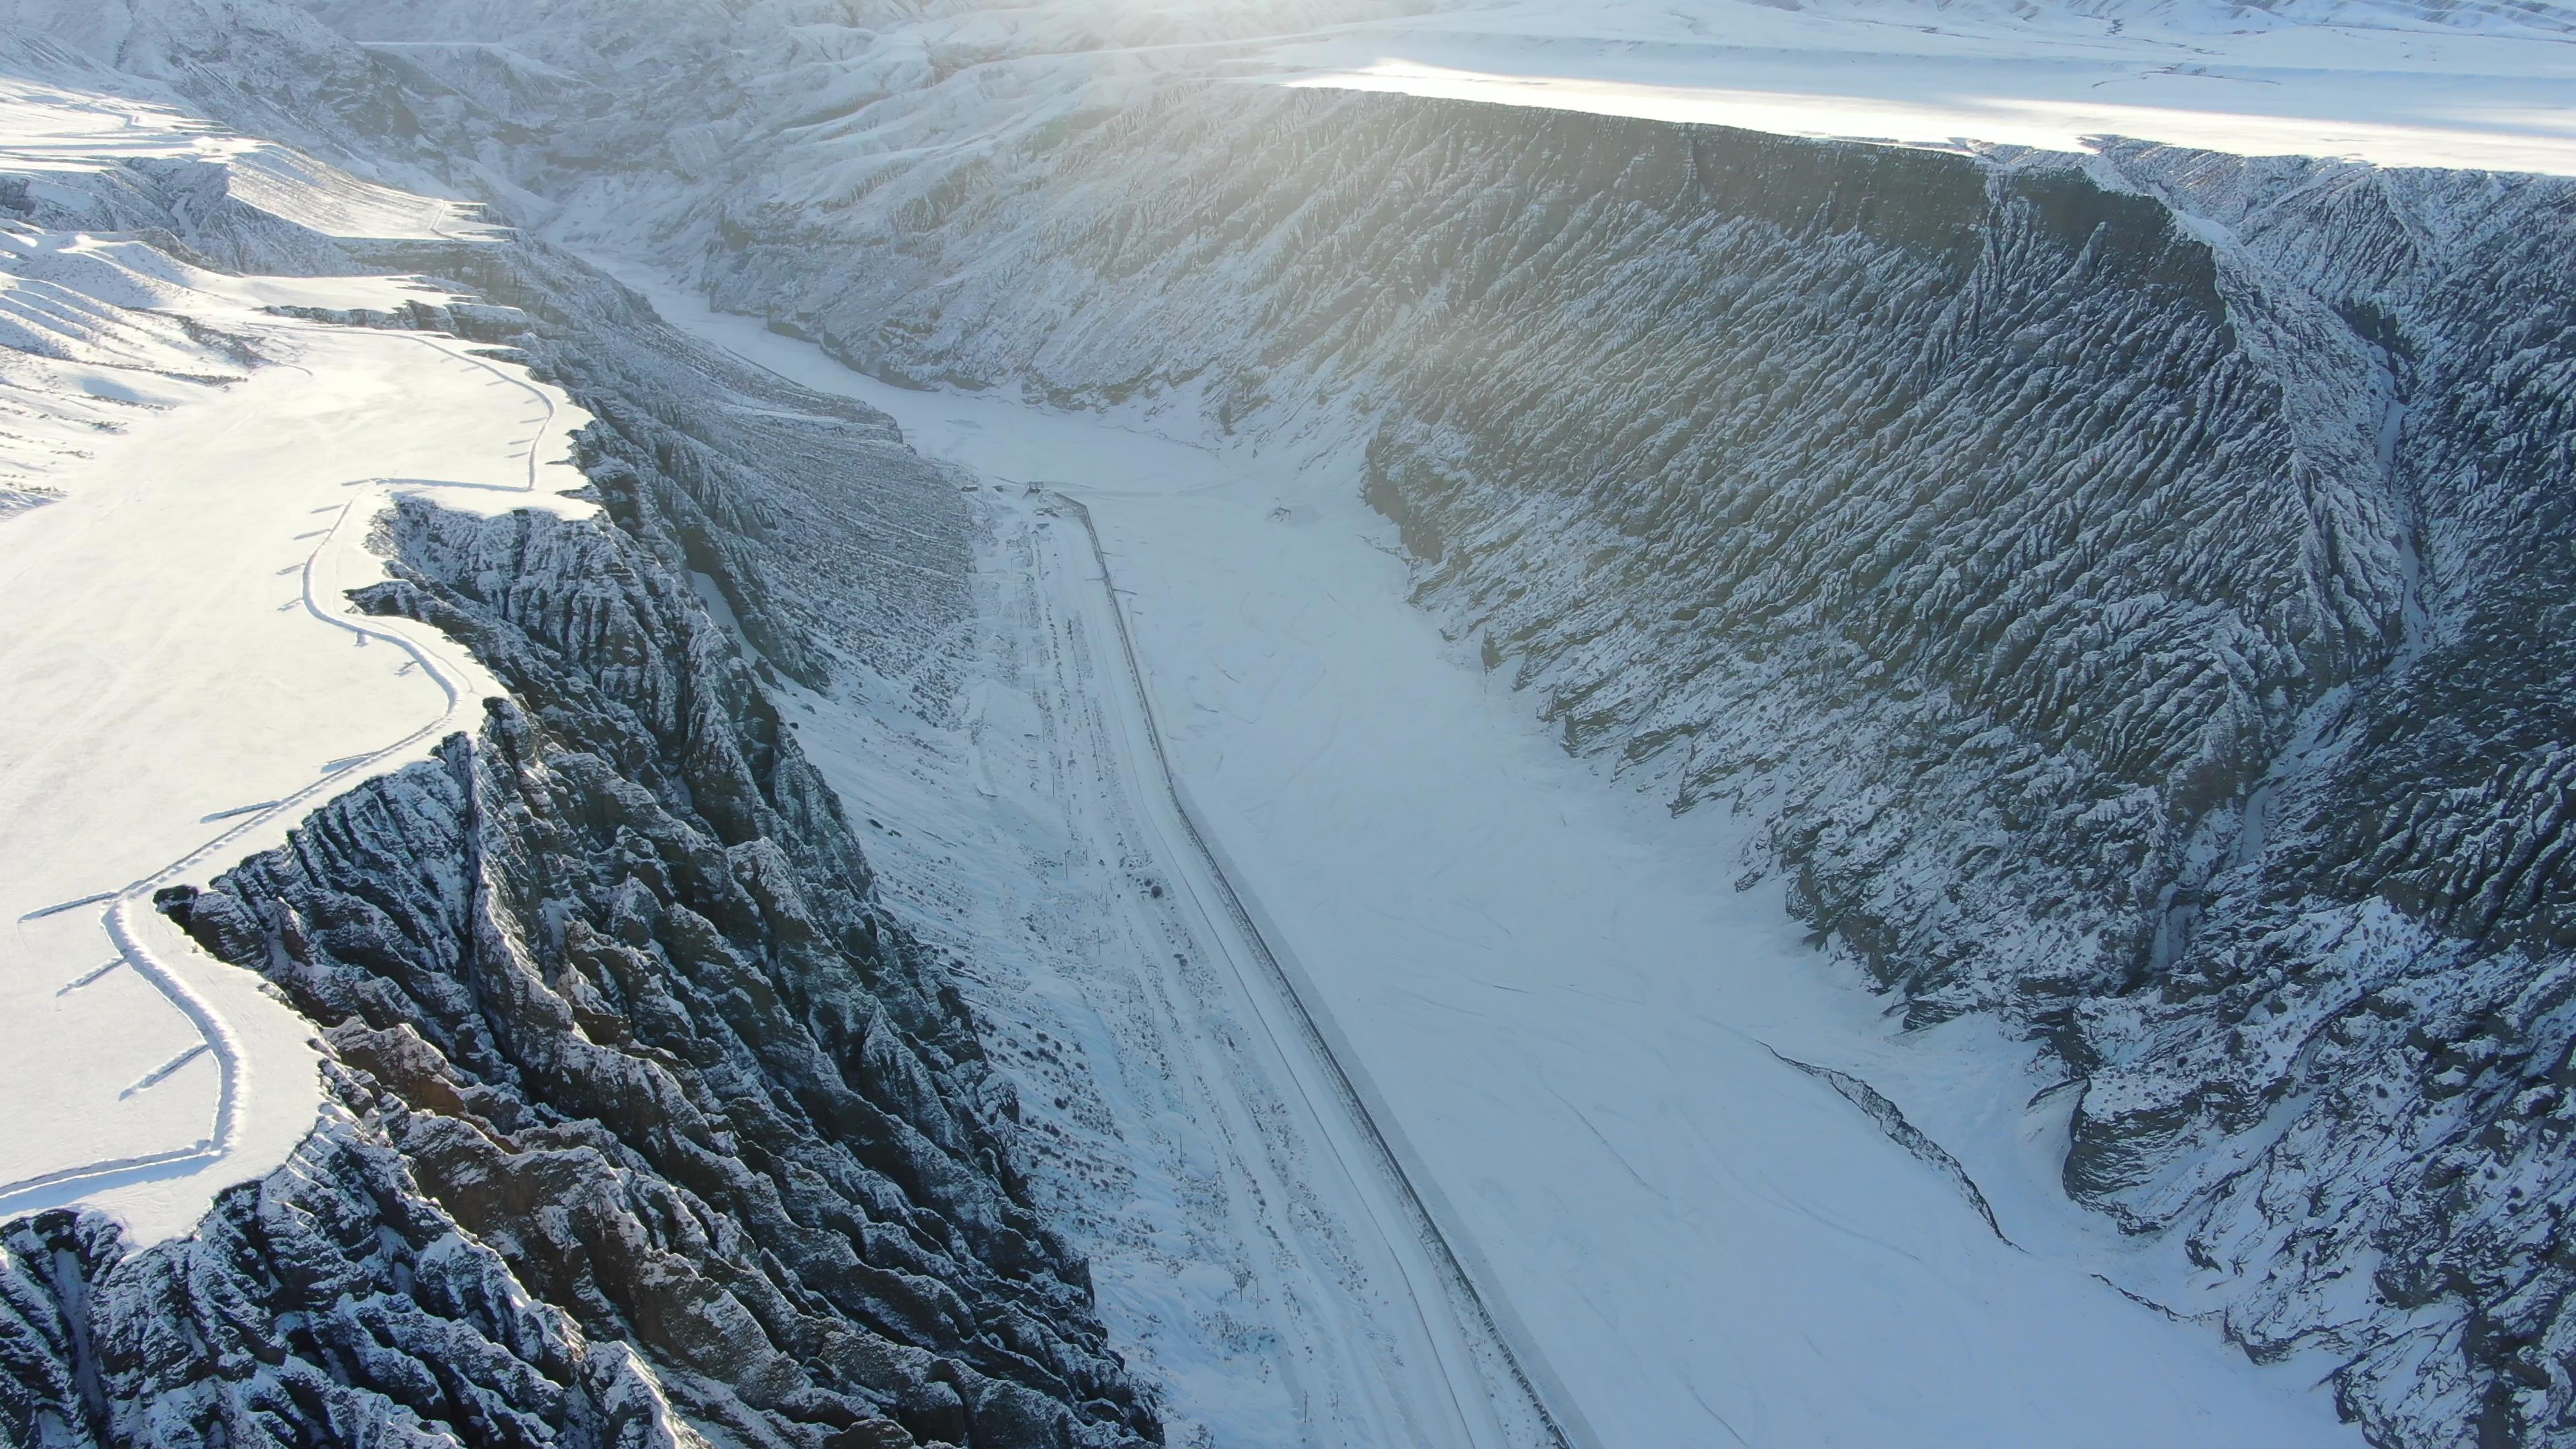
(643, 1121)
(2125, 586)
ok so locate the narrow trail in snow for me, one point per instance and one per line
(1443, 1294)
(232, 1063)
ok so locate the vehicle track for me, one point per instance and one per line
(232, 1065)
(1452, 1291)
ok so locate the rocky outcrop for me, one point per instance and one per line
(645, 1097)
(651, 1126)
(839, 552)
(614, 972)
(2127, 588)
(331, 1303)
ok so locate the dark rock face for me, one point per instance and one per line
(625, 1035)
(837, 548)
(2365, 1029)
(631, 1059)
(2133, 594)
(653, 1128)
(331, 1303)
(613, 969)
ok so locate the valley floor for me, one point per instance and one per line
(1241, 1235)
(1564, 1011)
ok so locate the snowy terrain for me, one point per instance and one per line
(1685, 1177)
(339, 1164)
(186, 678)
(1574, 1038)
(2394, 84)
(1607, 370)
(1247, 1247)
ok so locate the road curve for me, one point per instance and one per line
(232, 1065)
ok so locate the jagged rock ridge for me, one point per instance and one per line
(652, 1127)
(627, 1036)
(331, 1303)
(2124, 589)
(653, 1043)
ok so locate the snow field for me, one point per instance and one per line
(56, 126)
(2389, 84)
(1238, 1240)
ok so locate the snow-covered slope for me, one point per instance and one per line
(1639, 325)
(2395, 82)
(535, 1033)
(1689, 1233)
(208, 468)
(2115, 586)
(2057, 555)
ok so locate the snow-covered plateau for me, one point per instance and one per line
(841, 723)
(2395, 84)
(208, 467)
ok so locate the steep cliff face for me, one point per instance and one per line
(651, 1127)
(616, 961)
(2120, 586)
(332, 1303)
(838, 551)
(2129, 590)
(633, 1064)
(2361, 1045)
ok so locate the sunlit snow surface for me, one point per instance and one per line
(193, 477)
(1569, 1015)
(62, 128)
(2487, 88)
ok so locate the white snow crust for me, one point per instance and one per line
(61, 126)
(198, 475)
(2396, 84)
(1541, 980)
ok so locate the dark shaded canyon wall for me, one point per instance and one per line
(648, 1124)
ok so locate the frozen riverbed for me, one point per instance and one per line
(1572, 1017)
(1247, 1240)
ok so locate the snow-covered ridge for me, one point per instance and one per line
(1587, 1088)
(748, 1179)
(2080, 568)
(56, 130)
(2394, 82)
(2112, 508)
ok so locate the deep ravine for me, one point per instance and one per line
(2124, 592)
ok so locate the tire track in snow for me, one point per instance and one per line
(232, 1064)
(1542, 1393)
